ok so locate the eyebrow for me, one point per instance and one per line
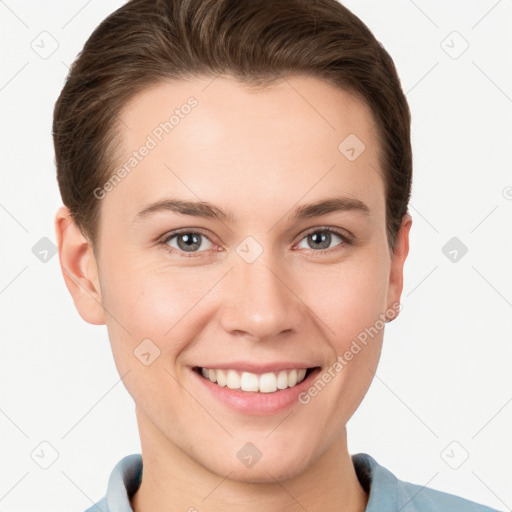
(208, 210)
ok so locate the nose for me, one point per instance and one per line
(261, 300)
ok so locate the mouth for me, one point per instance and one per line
(248, 382)
(257, 394)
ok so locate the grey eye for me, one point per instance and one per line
(320, 239)
(188, 242)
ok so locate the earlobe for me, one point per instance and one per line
(396, 276)
(79, 268)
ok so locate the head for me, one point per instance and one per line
(285, 123)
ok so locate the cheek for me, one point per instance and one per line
(350, 297)
(154, 302)
(150, 323)
(350, 307)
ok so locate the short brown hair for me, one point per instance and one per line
(257, 42)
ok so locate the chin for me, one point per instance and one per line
(266, 470)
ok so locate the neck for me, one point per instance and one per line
(172, 481)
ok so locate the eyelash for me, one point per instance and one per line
(346, 240)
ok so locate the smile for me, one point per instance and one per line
(251, 382)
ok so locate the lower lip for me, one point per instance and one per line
(257, 403)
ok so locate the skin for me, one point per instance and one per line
(259, 154)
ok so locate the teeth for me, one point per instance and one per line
(282, 380)
(232, 379)
(247, 381)
(268, 382)
(221, 378)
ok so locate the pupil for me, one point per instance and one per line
(324, 239)
(188, 240)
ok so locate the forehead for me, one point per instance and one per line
(216, 139)
(300, 103)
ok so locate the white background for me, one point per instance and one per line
(445, 373)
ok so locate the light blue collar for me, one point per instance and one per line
(386, 492)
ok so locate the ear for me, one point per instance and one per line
(79, 268)
(400, 252)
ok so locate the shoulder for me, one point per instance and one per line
(386, 492)
(124, 480)
(101, 506)
(416, 498)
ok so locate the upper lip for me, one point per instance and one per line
(252, 367)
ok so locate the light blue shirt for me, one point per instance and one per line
(386, 492)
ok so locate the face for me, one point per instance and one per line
(212, 255)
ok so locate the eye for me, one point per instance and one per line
(188, 241)
(322, 238)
